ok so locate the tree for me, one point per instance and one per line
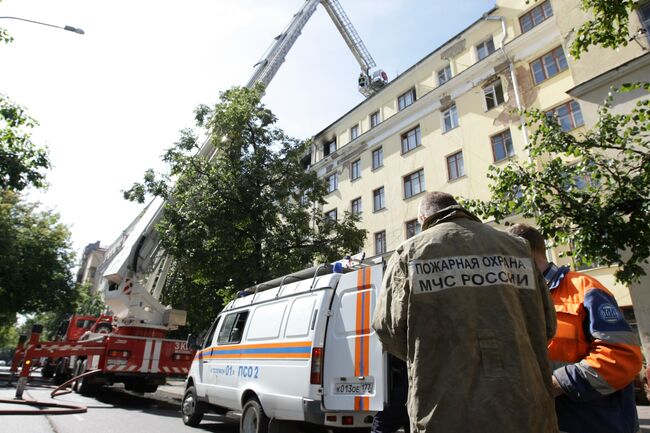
(607, 27)
(247, 214)
(22, 163)
(35, 259)
(590, 191)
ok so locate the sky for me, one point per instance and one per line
(110, 102)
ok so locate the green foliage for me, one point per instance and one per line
(591, 191)
(87, 302)
(35, 259)
(235, 218)
(8, 337)
(608, 26)
(21, 162)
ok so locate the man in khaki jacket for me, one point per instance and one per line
(465, 306)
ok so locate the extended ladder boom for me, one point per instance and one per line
(134, 271)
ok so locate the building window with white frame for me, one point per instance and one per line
(644, 16)
(549, 65)
(355, 169)
(378, 199)
(331, 215)
(444, 75)
(535, 16)
(502, 147)
(406, 99)
(450, 118)
(332, 182)
(485, 48)
(493, 95)
(413, 183)
(568, 115)
(329, 147)
(455, 166)
(377, 158)
(413, 227)
(411, 139)
(375, 119)
(354, 132)
(355, 206)
(380, 242)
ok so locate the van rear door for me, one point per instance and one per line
(353, 367)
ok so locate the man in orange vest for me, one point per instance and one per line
(595, 355)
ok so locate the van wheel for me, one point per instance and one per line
(253, 418)
(191, 408)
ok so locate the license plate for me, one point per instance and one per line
(355, 388)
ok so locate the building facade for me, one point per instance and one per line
(93, 255)
(444, 122)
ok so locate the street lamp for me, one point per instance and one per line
(68, 28)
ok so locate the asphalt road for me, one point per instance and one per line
(113, 411)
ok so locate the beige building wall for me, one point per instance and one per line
(476, 123)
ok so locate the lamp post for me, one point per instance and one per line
(68, 28)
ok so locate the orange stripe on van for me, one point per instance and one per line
(362, 331)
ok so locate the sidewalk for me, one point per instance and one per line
(173, 390)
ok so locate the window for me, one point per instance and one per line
(354, 132)
(266, 322)
(414, 183)
(380, 243)
(549, 65)
(568, 115)
(450, 117)
(332, 182)
(377, 158)
(485, 48)
(329, 147)
(644, 16)
(331, 215)
(444, 75)
(232, 329)
(411, 139)
(493, 95)
(379, 201)
(207, 341)
(502, 146)
(355, 206)
(374, 119)
(535, 16)
(304, 199)
(406, 99)
(300, 317)
(413, 227)
(455, 166)
(355, 169)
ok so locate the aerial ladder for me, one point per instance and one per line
(131, 278)
(133, 273)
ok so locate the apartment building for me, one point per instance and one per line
(442, 123)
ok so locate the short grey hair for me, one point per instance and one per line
(435, 201)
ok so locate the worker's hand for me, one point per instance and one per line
(557, 389)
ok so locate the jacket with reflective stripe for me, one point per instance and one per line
(595, 355)
(465, 306)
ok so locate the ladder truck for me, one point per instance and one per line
(132, 276)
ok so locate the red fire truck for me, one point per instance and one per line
(128, 346)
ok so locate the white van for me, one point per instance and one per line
(298, 349)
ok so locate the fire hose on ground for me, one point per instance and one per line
(49, 408)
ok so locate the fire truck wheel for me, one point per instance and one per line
(253, 418)
(191, 408)
(104, 328)
(82, 385)
(60, 374)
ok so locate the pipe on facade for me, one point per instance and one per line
(513, 77)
